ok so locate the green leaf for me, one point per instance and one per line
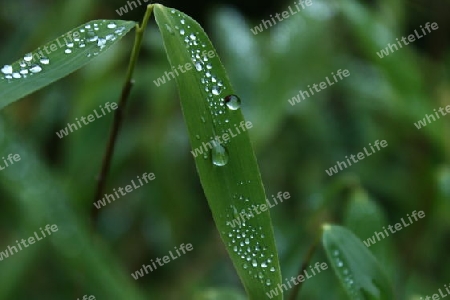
(229, 173)
(357, 269)
(219, 294)
(59, 58)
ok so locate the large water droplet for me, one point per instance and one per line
(219, 155)
(45, 61)
(35, 69)
(28, 57)
(7, 69)
(112, 25)
(233, 102)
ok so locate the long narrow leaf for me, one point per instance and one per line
(59, 58)
(227, 166)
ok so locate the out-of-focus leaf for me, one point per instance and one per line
(357, 269)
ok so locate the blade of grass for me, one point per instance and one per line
(59, 58)
(228, 170)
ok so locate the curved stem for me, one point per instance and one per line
(119, 113)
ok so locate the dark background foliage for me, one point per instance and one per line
(55, 181)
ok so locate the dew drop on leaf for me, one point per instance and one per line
(219, 155)
(35, 69)
(233, 102)
(7, 69)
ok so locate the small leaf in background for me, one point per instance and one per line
(364, 217)
(59, 58)
(357, 269)
(227, 168)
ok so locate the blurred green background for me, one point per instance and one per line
(54, 182)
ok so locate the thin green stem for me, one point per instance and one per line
(305, 263)
(119, 113)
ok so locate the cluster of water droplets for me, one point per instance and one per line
(88, 35)
(348, 277)
(218, 101)
(246, 240)
(256, 259)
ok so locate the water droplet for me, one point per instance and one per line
(192, 37)
(247, 241)
(197, 137)
(16, 75)
(7, 69)
(23, 71)
(245, 266)
(263, 265)
(70, 45)
(254, 263)
(35, 69)
(182, 32)
(233, 102)
(45, 61)
(68, 51)
(101, 43)
(183, 21)
(219, 155)
(215, 90)
(268, 282)
(28, 57)
(272, 269)
(198, 66)
(111, 25)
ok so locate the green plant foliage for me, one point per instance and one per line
(356, 267)
(228, 172)
(59, 58)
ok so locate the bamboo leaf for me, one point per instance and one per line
(59, 58)
(227, 166)
(357, 269)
